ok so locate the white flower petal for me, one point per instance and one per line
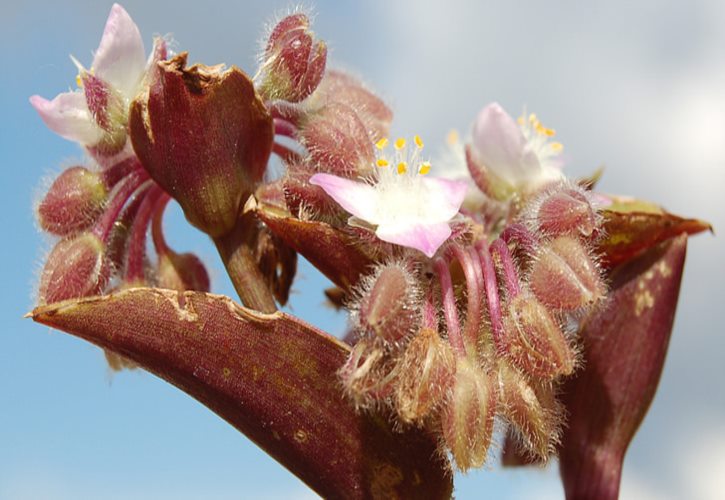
(358, 198)
(68, 116)
(424, 237)
(120, 59)
(442, 198)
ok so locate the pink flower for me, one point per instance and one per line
(407, 207)
(98, 110)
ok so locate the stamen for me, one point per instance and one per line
(424, 168)
(556, 147)
(399, 143)
(452, 137)
(418, 141)
(382, 143)
(402, 167)
(382, 162)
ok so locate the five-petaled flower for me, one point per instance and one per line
(408, 207)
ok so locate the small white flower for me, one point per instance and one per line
(100, 106)
(407, 206)
(520, 155)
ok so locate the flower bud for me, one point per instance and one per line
(294, 61)
(73, 202)
(75, 268)
(388, 303)
(426, 375)
(468, 418)
(204, 136)
(182, 272)
(338, 141)
(535, 342)
(564, 276)
(368, 374)
(108, 109)
(566, 211)
(534, 414)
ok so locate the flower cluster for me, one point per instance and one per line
(465, 279)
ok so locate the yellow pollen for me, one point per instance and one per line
(424, 168)
(556, 147)
(382, 143)
(452, 137)
(532, 118)
(402, 167)
(382, 162)
(79, 81)
(399, 143)
(520, 120)
(418, 141)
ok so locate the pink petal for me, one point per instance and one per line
(358, 198)
(120, 58)
(424, 237)
(499, 143)
(68, 116)
(445, 197)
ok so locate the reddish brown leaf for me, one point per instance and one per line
(272, 377)
(624, 346)
(633, 226)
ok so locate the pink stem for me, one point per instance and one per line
(430, 319)
(491, 286)
(137, 241)
(287, 154)
(449, 307)
(284, 128)
(473, 291)
(500, 249)
(113, 174)
(157, 226)
(133, 182)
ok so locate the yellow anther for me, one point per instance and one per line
(532, 118)
(418, 141)
(452, 137)
(382, 162)
(424, 168)
(520, 120)
(402, 167)
(556, 147)
(382, 143)
(399, 143)
(79, 80)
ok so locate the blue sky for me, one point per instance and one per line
(639, 88)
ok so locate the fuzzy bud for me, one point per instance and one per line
(73, 202)
(182, 271)
(205, 137)
(368, 374)
(75, 268)
(535, 342)
(338, 141)
(536, 415)
(468, 418)
(388, 301)
(566, 211)
(294, 61)
(564, 276)
(426, 375)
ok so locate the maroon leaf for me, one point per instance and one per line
(272, 377)
(624, 345)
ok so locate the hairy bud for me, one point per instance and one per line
(388, 304)
(294, 62)
(73, 202)
(535, 342)
(564, 276)
(368, 374)
(426, 375)
(182, 271)
(566, 211)
(75, 268)
(205, 137)
(469, 415)
(338, 141)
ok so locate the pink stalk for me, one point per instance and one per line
(124, 192)
(157, 229)
(474, 293)
(500, 249)
(430, 319)
(491, 286)
(113, 174)
(137, 240)
(287, 154)
(450, 313)
(284, 128)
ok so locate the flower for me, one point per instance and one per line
(408, 207)
(95, 115)
(517, 155)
